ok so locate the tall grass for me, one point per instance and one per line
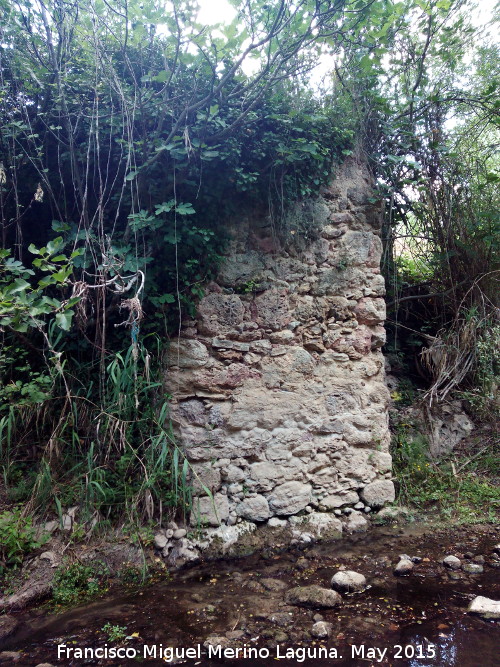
(114, 455)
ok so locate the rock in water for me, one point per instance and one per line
(472, 568)
(403, 567)
(452, 562)
(347, 581)
(321, 630)
(485, 607)
(313, 596)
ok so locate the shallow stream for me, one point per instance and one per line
(416, 620)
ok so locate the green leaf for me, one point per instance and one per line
(63, 320)
(19, 285)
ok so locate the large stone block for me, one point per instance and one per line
(370, 311)
(219, 313)
(378, 493)
(254, 509)
(272, 310)
(289, 498)
(186, 353)
(210, 510)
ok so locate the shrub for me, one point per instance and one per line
(18, 537)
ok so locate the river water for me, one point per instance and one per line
(419, 620)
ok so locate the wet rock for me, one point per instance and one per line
(321, 630)
(255, 586)
(8, 625)
(472, 568)
(302, 563)
(271, 584)
(348, 581)
(485, 607)
(235, 634)
(356, 523)
(313, 596)
(403, 568)
(216, 640)
(45, 664)
(160, 541)
(452, 562)
(281, 618)
(479, 559)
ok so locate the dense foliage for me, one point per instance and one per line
(129, 134)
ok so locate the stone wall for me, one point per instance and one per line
(278, 386)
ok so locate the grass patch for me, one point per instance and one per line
(460, 488)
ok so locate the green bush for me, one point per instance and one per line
(17, 538)
(77, 582)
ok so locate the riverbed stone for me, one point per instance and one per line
(313, 596)
(404, 567)
(180, 532)
(473, 568)
(348, 581)
(452, 562)
(485, 607)
(321, 629)
(160, 541)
